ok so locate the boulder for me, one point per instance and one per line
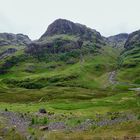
(42, 110)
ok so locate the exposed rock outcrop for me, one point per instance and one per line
(133, 39)
(13, 39)
(62, 26)
(7, 53)
(118, 40)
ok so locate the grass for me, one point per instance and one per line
(81, 89)
(89, 73)
(108, 133)
(130, 70)
(122, 101)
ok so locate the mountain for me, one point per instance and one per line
(65, 44)
(132, 50)
(118, 40)
(13, 39)
(133, 40)
(80, 79)
(130, 59)
(62, 26)
(64, 36)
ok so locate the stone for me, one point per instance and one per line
(42, 110)
(118, 40)
(43, 128)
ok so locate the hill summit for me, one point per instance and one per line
(64, 36)
(63, 26)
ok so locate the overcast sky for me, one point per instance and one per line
(32, 17)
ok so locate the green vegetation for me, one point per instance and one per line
(130, 70)
(78, 89)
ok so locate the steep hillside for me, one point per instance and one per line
(12, 47)
(133, 40)
(130, 59)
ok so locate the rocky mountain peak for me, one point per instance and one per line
(63, 26)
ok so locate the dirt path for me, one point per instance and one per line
(112, 77)
(112, 80)
(18, 121)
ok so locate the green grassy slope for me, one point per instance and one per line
(130, 66)
(74, 79)
(81, 88)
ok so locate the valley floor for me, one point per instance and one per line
(115, 117)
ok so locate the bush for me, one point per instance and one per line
(45, 120)
(137, 81)
(33, 121)
(30, 85)
(27, 83)
(36, 120)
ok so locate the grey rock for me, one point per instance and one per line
(63, 26)
(42, 110)
(118, 40)
(56, 126)
(133, 39)
(13, 39)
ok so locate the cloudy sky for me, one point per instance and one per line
(32, 17)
